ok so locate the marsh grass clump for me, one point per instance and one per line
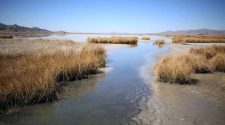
(145, 38)
(218, 62)
(208, 52)
(174, 70)
(114, 40)
(160, 42)
(198, 39)
(199, 63)
(6, 36)
(36, 77)
(178, 69)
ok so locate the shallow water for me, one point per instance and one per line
(112, 98)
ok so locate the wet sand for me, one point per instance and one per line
(172, 104)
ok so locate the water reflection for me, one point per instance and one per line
(133, 46)
(78, 88)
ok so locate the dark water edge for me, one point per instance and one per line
(112, 98)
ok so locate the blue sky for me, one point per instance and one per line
(132, 16)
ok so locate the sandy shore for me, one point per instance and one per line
(172, 104)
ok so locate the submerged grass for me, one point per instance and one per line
(178, 69)
(145, 38)
(35, 77)
(114, 40)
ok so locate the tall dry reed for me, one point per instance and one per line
(36, 77)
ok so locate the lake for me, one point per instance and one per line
(110, 98)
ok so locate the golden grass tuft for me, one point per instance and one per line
(114, 40)
(35, 77)
(199, 63)
(173, 69)
(178, 69)
(145, 38)
(218, 62)
(208, 52)
(160, 42)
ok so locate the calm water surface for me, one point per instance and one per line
(111, 98)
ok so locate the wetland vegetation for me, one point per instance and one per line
(29, 77)
(114, 40)
(179, 68)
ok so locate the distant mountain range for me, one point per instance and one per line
(27, 31)
(196, 32)
(16, 29)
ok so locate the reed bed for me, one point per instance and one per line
(36, 77)
(6, 36)
(160, 42)
(114, 40)
(145, 38)
(178, 69)
(198, 39)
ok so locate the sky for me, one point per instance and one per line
(131, 16)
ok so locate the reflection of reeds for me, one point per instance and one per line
(114, 40)
(76, 89)
(34, 78)
(199, 60)
(145, 38)
(199, 39)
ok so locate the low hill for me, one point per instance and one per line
(16, 29)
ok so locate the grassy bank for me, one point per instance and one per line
(34, 77)
(198, 39)
(114, 40)
(178, 69)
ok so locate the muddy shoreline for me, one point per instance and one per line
(202, 103)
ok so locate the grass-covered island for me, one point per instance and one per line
(114, 40)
